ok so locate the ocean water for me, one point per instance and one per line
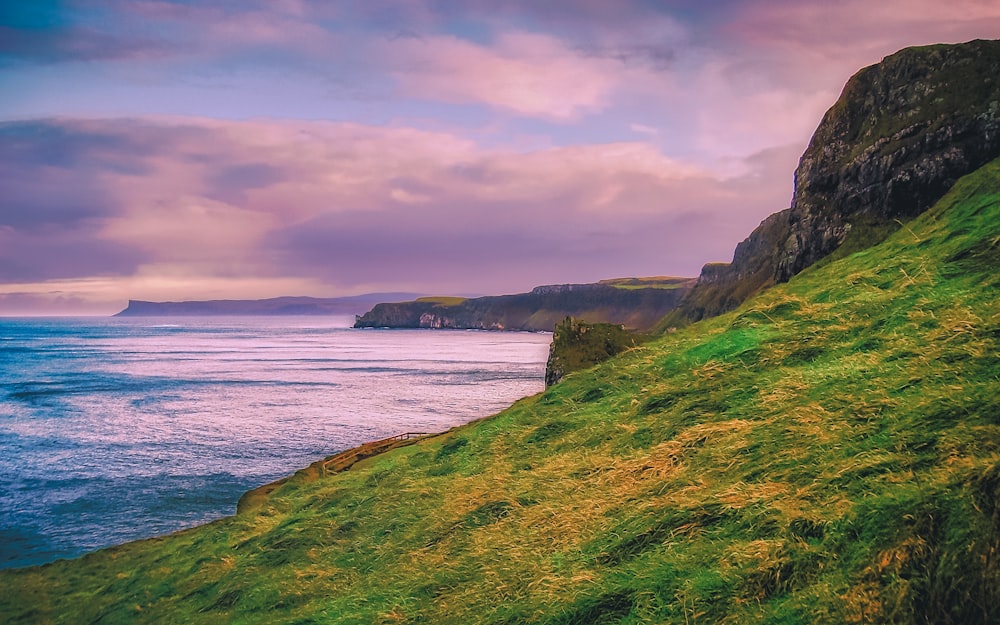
(117, 429)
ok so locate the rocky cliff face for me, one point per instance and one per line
(900, 135)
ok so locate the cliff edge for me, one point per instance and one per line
(637, 303)
(901, 134)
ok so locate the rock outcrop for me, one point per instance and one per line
(900, 135)
(577, 346)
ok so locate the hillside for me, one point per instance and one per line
(901, 133)
(637, 303)
(827, 453)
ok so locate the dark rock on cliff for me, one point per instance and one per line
(632, 305)
(900, 135)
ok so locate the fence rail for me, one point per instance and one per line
(346, 459)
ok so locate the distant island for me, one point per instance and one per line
(351, 305)
(636, 303)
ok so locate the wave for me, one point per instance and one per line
(161, 428)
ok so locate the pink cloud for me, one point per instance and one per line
(524, 73)
(211, 31)
(830, 41)
(345, 207)
(721, 103)
(772, 68)
(281, 31)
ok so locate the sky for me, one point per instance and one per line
(242, 149)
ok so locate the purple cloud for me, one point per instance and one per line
(59, 253)
(349, 205)
(242, 148)
(70, 45)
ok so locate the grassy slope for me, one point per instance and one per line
(443, 300)
(828, 453)
(653, 282)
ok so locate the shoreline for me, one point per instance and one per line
(210, 416)
(253, 499)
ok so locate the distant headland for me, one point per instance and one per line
(636, 303)
(351, 305)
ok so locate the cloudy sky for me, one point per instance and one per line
(171, 150)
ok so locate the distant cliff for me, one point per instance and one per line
(351, 305)
(636, 303)
(900, 135)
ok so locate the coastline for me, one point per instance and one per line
(216, 407)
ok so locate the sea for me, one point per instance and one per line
(116, 429)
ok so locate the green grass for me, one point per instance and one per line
(827, 453)
(653, 282)
(442, 300)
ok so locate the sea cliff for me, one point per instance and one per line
(900, 135)
(635, 303)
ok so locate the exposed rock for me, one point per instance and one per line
(900, 135)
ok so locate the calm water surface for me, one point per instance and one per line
(118, 429)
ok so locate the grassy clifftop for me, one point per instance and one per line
(638, 303)
(827, 453)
